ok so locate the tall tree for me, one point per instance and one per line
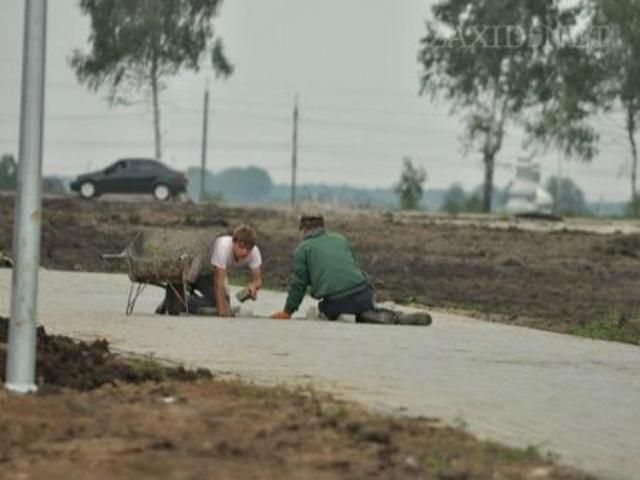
(568, 198)
(134, 45)
(622, 61)
(496, 61)
(409, 188)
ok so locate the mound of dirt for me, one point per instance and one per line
(65, 363)
(116, 420)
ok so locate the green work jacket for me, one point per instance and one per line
(325, 262)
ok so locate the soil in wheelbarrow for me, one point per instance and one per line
(100, 416)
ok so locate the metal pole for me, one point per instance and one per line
(21, 353)
(205, 121)
(294, 153)
(557, 204)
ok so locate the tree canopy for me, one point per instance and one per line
(620, 83)
(409, 188)
(568, 198)
(134, 45)
(497, 61)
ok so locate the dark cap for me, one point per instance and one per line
(311, 220)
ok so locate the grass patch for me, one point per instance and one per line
(616, 326)
(146, 367)
(530, 454)
(449, 455)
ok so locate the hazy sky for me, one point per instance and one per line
(353, 64)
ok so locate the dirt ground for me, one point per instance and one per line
(98, 416)
(565, 281)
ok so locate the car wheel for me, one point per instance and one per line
(88, 190)
(161, 192)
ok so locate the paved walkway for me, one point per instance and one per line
(577, 398)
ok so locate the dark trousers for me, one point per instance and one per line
(202, 295)
(204, 286)
(174, 299)
(352, 304)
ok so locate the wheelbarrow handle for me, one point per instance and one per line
(106, 256)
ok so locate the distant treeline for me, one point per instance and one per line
(253, 185)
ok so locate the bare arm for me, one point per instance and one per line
(219, 282)
(256, 282)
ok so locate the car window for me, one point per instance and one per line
(151, 166)
(145, 166)
(115, 167)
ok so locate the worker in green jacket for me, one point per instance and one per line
(326, 262)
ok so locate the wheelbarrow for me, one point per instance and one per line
(164, 258)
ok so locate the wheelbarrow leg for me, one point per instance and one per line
(134, 292)
(181, 297)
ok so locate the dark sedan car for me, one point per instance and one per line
(132, 175)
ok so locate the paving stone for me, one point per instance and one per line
(577, 398)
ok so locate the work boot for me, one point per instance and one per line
(422, 319)
(162, 308)
(174, 304)
(379, 316)
(383, 316)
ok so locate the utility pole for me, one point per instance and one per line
(558, 200)
(294, 153)
(21, 351)
(205, 122)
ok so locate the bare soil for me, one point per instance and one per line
(566, 281)
(98, 416)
